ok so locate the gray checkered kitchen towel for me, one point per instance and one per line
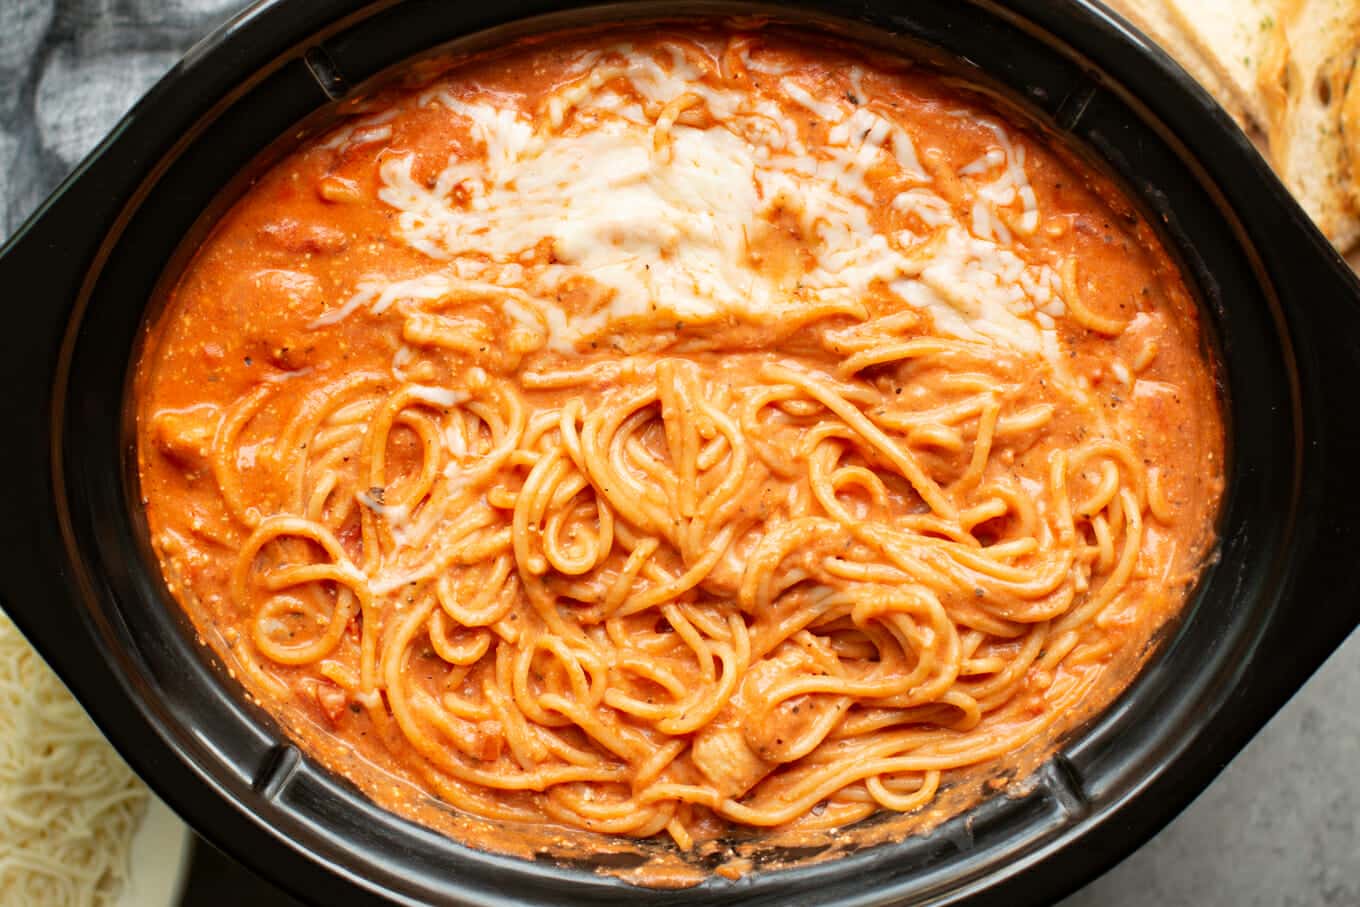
(69, 69)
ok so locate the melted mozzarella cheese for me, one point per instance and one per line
(658, 218)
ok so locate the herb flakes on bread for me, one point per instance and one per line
(1155, 19)
(1232, 37)
(1286, 70)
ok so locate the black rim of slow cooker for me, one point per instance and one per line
(129, 655)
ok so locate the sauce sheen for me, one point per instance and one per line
(679, 435)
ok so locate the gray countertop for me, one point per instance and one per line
(1279, 827)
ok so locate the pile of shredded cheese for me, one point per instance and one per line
(661, 214)
(68, 804)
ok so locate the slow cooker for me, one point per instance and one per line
(78, 577)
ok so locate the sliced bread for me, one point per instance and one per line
(1231, 36)
(1306, 86)
(1154, 19)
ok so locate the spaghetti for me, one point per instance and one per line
(662, 434)
(69, 806)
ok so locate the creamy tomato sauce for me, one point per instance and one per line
(632, 435)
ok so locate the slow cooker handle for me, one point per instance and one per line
(1319, 298)
(42, 272)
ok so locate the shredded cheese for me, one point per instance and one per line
(662, 230)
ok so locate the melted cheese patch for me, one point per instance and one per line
(662, 221)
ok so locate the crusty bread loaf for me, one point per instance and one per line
(1231, 36)
(1154, 18)
(1287, 68)
(1350, 132)
(1305, 81)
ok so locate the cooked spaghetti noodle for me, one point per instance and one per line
(663, 434)
(69, 806)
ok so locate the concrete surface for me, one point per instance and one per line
(1278, 828)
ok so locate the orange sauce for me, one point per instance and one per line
(258, 312)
